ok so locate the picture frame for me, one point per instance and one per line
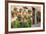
(28, 4)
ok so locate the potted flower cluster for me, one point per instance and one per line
(22, 22)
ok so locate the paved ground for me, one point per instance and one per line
(36, 25)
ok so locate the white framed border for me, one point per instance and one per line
(23, 29)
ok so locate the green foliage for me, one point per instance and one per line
(29, 10)
(18, 24)
(29, 21)
(15, 9)
(20, 10)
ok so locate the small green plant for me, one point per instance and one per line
(16, 24)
